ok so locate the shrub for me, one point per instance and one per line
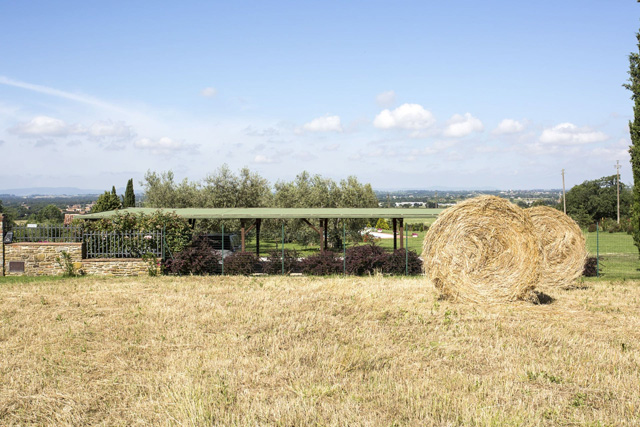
(177, 229)
(321, 264)
(365, 259)
(590, 267)
(273, 264)
(369, 238)
(198, 258)
(592, 228)
(240, 264)
(614, 228)
(69, 270)
(382, 224)
(397, 262)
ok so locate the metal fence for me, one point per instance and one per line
(47, 233)
(617, 256)
(129, 244)
(123, 244)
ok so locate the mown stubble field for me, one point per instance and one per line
(313, 351)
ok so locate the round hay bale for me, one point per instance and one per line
(562, 244)
(482, 250)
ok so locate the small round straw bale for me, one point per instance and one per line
(562, 244)
(482, 250)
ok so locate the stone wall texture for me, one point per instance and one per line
(41, 259)
(115, 267)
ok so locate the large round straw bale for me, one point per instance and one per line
(562, 244)
(482, 250)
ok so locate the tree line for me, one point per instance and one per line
(246, 189)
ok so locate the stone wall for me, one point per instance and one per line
(115, 267)
(41, 259)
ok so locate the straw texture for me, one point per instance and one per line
(563, 247)
(482, 250)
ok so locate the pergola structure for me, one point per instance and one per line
(251, 218)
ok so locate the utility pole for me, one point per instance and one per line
(436, 199)
(564, 196)
(618, 186)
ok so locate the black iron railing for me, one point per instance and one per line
(98, 244)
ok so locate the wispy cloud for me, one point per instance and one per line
(570, 134)
(85, 99)
(386, 99)
(50, 127)
(163, 146)
(209, 92)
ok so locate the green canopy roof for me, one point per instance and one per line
(281, 213)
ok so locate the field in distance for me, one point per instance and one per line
(312, 351)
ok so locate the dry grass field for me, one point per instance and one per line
(306, 351)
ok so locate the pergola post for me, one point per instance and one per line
(395, 235)
(326, 233)
(242, 234)
(258, 222)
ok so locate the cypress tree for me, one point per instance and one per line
(129, 196)
(634, 130)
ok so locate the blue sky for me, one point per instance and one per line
(406, 94)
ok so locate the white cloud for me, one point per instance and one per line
(109, 129)
(209, 92)
(48, 127)
(570, 134)
(508, 126)
(164, 145)
(270, 131)
(306, 156)
(436, 147)
(617, 151)
(262, 159)
(44, 126)
(459, 126)
(323, 124)
(386, 99)
(406, 116)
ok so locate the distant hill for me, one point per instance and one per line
(52, 191)
(438, 188)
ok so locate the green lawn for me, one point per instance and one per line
(618, 255)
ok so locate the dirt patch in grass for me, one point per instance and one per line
(308, 351)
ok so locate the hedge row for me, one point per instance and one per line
(199, 259)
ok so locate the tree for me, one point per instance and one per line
(129, 200)
(162, 192)
(315, 191)
(50, 213)
(224, 189)
(634, 130)
(594, 200)
(107, 201)
(382, 224)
